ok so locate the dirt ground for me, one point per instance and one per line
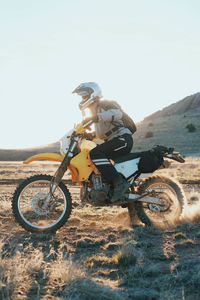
(97, 253)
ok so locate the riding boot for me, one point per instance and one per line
(120, 187)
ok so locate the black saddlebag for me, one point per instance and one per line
(151, 160)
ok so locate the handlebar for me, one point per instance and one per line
(87, 123)
(81, 127)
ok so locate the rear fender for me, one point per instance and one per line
(127, 168)
(45, 156)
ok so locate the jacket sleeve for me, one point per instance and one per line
(110, 115)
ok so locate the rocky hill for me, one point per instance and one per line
(188, 104)
(168, 126)
(177, 125)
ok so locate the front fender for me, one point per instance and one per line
(44, 156)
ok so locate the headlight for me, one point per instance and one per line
(65, 141)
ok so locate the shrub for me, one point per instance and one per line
(191, 127)
(126, 256)
(149, 134)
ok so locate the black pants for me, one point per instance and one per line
(116, 147)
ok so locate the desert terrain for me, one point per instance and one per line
(98, 253)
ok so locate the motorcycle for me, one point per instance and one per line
(42, 203)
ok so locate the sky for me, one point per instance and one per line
(144, 54)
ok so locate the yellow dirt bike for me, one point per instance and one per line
(42, 203)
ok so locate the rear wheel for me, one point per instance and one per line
(29, 209)
(172, 197)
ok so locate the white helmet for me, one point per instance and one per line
(90, 92)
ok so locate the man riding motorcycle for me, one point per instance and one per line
(109, 127)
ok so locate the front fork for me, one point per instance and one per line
(60, 173)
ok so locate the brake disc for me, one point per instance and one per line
(38, 202)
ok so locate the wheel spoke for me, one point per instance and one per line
(167, 195)
(171, 196)
(31, 208)
(31, 205)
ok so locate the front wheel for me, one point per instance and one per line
(172, 197)
(29, 209)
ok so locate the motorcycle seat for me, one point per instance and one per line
(127, 157)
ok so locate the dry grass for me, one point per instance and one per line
(97, 254)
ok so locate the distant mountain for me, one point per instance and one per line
(190, 103)
(23, 154)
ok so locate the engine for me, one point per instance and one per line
(96, 192)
